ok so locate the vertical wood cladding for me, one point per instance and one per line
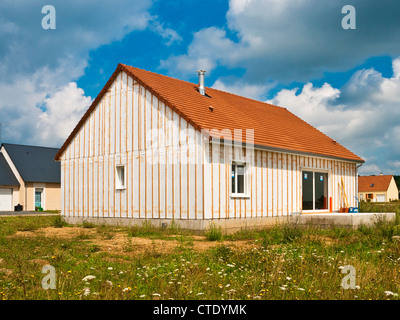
(172, 171)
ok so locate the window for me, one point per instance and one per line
(120, 177)
(315, 190)
(238, 179)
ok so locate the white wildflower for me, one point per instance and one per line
(110, 268)
(200, 293)
(86, 291)
(88, 278)
(390, 293)
(230, 265)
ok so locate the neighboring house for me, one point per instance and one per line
(380, 188)
(29, 176)
(155, 147)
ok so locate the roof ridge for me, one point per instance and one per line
(156, 74)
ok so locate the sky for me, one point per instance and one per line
(297, 54)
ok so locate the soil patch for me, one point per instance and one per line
(118, 242)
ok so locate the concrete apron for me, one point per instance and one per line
(323, 220)
(350, 220)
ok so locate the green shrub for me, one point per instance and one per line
(59, 222)
(214, 233)
(290, 232)
(87, 224)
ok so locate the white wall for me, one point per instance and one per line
(165, 176)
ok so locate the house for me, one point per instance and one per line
(29, 176)
(380, 188)
(155, 147)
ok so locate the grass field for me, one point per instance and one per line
(284, 262)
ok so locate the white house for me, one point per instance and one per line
(155, 147)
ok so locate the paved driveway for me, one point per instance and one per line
(26, 213)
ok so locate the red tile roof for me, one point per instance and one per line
(374, 183)
(274, 127)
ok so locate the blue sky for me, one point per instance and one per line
(292, 53)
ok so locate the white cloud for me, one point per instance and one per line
(40, 115)
(243, 89)
(81, 27)
(363, 115)
(209, 48)
(40, 104)
(61, 112)
(170, 35)
(291, 40)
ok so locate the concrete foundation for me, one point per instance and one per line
(351, 220)
(227, 225)
(348, 220)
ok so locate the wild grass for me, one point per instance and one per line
(283, 262)
(214, 233)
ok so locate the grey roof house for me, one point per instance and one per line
(29, 176)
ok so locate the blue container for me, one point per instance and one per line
(353, 209)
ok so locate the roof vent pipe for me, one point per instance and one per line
(201, 82)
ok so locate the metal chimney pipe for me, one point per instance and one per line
(201, 82)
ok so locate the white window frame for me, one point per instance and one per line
(245, 193)
(118, 185)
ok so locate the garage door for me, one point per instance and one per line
(5, 199)
(380, 198)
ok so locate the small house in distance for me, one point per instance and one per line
(30, 177)
(151, 147)
(380, 188)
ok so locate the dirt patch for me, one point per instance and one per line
(40, 262)
(324, 239)
(120, 243)
(59, 233)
